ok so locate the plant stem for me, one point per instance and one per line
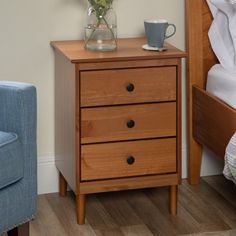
(87, 40)
(109, 28)
(97, 25)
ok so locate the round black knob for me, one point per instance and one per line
(130, 160)
(130, 87)
(130, 123)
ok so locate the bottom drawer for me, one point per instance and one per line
(123, 159)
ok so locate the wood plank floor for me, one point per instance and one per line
(209, 206)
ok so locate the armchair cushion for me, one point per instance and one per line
(11, 159)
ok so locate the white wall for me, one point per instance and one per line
(28, 26)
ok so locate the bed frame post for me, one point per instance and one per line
(195, 77)
(200, 59)
(202, 122)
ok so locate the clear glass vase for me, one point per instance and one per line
(101, 29)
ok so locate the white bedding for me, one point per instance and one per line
(222, 32)
(230, 160)
(222, 84)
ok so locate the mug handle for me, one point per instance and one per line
(174, 28)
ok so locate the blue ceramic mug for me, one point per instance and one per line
(156, 32)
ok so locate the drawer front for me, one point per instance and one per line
(128, 122)
(109, 87)
(124, 159)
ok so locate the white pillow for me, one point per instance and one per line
(222, 34)
(228, 8)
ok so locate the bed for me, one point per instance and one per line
(211, 122)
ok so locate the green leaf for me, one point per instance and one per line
(100, 7)
(102, 3)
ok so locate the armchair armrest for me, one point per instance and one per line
(18, 115)
(18, 109)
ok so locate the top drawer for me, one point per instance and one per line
(127, 86)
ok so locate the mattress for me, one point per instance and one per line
(222, 84)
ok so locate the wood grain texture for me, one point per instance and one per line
(214, 122)
(80, 208)
(93, 82)
(202, 208)
(65, 117)
(128, 183)
(62, 185)
(77, 133)
(207, 207)
(179, 121)
(104, 161)
(110, 123)
(200, 59)
(123, 64)
(128, 49)
(136, 230)
(173, 193)
(109, 87)
(195, 76)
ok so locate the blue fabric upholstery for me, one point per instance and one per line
(18, 117)
(11, 159)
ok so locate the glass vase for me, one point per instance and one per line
(101, 29)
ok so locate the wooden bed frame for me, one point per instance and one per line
(210, 122)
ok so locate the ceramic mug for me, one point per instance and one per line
(156, 32)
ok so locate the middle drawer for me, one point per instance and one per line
(128, 122)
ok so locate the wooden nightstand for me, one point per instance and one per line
(118, 119)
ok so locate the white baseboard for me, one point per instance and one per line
(47, 175)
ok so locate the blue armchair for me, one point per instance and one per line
(18, 170)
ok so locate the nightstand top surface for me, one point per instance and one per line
(128, 49)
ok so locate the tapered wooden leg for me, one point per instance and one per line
(80, 208)
(62, 185)
(173, 190)
(21, 230)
